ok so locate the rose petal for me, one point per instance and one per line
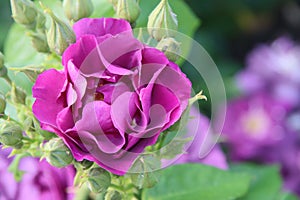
(46, 90)
(96, 126)
(100, 27)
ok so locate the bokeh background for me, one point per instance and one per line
(233, 32)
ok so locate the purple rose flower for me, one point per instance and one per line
(254, 125)
(114, 96)
(40, 181)
(215, 157)
(275, 70)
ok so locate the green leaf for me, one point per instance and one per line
(195, 181)
(18, 50)
(265, 181)
(17, 40)
(287, 196)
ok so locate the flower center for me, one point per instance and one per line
(255, 123)
(98, 96)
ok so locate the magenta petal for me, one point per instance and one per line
(113, 51)
(78, 51)
(65, 119)
(96, 128)
(154, 56)
(46, 90)
(120, 111)
(100, 27)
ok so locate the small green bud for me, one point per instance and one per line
(77, 9)
(113, 195)
(11, 134)
(60, 35)
(161, 20)
(39, 42)
(170, 47)
(2, 103)
(128, 10)
(98, 180)
(24, 12)
(3, 69)
(57, 153)
(18, 96)
(86, 164)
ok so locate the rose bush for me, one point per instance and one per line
(114, 96)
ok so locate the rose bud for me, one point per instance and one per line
(113, 195)
(57, 153)
(85, 164)
(24, 12)
(39, 42)
(77, 9)
(3, 70)
(98, 180)
(161, 20)
(128, 10)
(18, 96)
(60, 35)
(11, 134)
(2, 103)
(170, 47)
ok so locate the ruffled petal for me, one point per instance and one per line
(46, 90)
(100, 27)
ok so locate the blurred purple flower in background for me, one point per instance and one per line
(215, 157)
(263, 125)
(40, 181)
(253, 126)
(273, 69)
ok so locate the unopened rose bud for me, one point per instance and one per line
(24, 12)
(18, 96)
(113, 195)
(57, 153)
(86, 164)
(98, 180)
(60, 35)
(170, 47)
(161, 20)
(2, 103)
(3, 70)
(11, 134)
(77, 9)
(128, 10)
(39, 42)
